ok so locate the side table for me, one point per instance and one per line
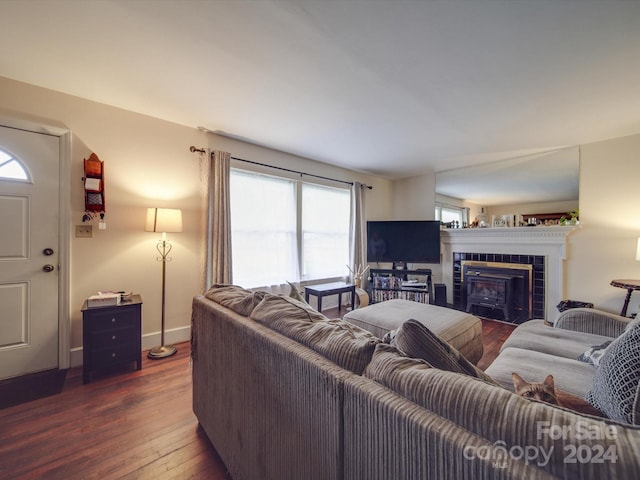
(111, 335)
(630, 285)
(334, 288)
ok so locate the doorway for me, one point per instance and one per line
(34, 243)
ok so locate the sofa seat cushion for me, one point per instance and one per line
(236, 298)
(536, 335)
(341, 342)
(616, 385)
(417, 341)
(570, 375)
(459, 329)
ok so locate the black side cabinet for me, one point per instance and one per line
(111, 335)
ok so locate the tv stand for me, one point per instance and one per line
(387, 284)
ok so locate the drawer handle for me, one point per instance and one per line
(113, 337)
(113, 320)
(113, 355)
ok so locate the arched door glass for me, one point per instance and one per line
(11, 168)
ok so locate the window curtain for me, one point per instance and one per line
(358, 229)
(218, 246)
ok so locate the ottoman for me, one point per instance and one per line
(461, 330)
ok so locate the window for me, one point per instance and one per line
(11, 168)
(448, 214)
(286, 230)
(325, 231)
(263, 229)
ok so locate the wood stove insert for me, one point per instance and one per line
(503, 290)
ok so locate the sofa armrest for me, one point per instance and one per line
(589, 320)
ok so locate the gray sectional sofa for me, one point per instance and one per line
(283, 392)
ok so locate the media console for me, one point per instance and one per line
(387, 284)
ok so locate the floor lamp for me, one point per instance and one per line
(164, 220)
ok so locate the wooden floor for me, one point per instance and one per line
(127, 424)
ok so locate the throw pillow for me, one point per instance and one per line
(632, 324)
(594, 354)
(616, 384)
(417, 341)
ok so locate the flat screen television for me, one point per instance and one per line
(408, 241)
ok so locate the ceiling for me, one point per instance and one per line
(394, 88)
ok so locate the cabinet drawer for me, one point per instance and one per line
(111, 356)
(113, 320)
(114, 338)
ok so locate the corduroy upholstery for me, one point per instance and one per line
(589, 320)
(271, 407)
(276, 409)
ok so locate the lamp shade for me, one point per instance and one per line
(165, 220)
(638, 250)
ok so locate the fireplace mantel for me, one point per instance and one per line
(555, 235)
(549, 242)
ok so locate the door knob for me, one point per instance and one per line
(48, 251)
(48, 268)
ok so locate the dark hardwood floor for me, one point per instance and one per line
(124, 424)
(128, 424)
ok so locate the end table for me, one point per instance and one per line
(111, 335)
(630, 285)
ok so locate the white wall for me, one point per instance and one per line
(604, 246)
(414, 198)
(147, 163)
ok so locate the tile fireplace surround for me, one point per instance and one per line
(532, 242)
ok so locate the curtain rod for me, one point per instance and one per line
(202, 150)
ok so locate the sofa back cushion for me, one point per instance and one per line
(417, 341)
(344, 344)
(236, 298)
(616, 384)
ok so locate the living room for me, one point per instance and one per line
(604, 242)
(148, 163)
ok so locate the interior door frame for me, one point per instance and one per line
(64, 228)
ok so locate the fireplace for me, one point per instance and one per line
(544, 248)
(499, 290)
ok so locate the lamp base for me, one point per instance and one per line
(162, 352)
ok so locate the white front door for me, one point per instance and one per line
(29, 251)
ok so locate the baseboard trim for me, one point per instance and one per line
(149, 340)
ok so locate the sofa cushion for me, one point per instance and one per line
(616, 385)
(537, 336)
(236, 298)
(569, 374)
(413, 378)
(344, 344)
(388, 361)
(417, 341)
(594, 354)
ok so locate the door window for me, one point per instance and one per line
(11, 168)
